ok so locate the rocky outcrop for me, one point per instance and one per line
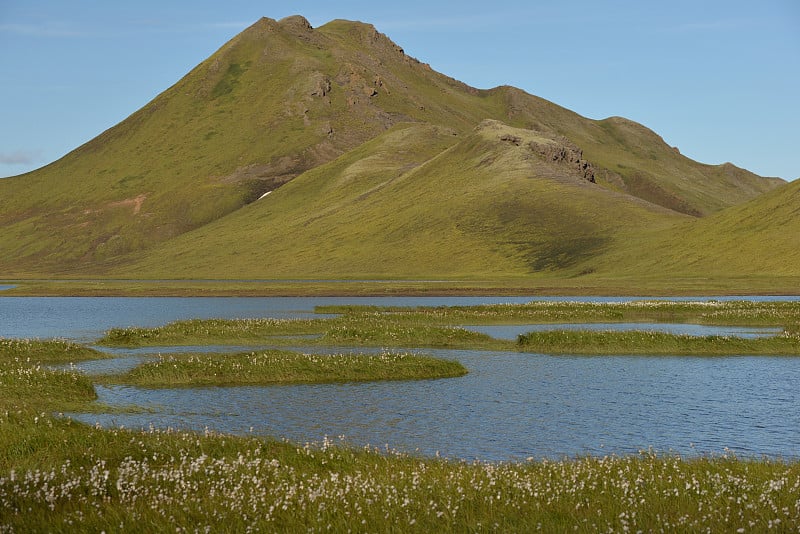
(320, 84)
(513, 139)
(565, 153)
(552, 149)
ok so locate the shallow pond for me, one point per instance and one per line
(510, 405)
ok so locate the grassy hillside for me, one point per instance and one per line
(760, 238)
(418, 201)
(283, 100)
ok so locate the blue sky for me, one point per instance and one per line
(720, 79)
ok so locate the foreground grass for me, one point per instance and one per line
(60, 476)
(283, 367)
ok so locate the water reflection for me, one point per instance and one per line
(513, 406)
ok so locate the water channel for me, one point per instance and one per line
(510, 406)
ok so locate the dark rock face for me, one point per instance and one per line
(513, 139)
(565, 153)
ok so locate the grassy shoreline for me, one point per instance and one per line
(159, 481)
(358, 331)
(215, 331)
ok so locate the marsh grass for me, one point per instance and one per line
(119, 480)
(24, 386)
(46, 351)
(731, 313)
(379, 330)
(364, 329)
(60, 476)
(283, 367)
(27, 384)
(638, 342)
(436, 327)
(213, 331)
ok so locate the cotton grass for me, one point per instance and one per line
(211, 483)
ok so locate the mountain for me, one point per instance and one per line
(374, 163)
(759, 238)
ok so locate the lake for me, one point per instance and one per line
(85, 319)
(510, 406)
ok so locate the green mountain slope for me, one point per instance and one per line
(631, 158)
(757, 238)
(281, 100)
(419, 201)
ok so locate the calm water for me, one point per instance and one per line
(513, 406)
(510, 406)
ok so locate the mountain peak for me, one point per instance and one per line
(365, 33)
(296, 22)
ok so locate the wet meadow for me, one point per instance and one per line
(57, 474)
